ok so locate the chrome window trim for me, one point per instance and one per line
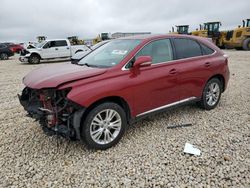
(172, 61)
(167, 106)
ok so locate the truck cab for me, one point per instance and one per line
(55, 49)
(180, 29)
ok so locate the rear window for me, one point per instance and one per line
(58, 43)
(206, 50)
(186, 48)
(61, 43)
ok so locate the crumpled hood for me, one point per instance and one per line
(53, 75)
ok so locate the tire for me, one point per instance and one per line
(210, 99)
(246, 44)
(97, 129)
(238, 48)
(4, 56)
(34, 59)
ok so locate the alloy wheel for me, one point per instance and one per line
(213, 93)
(4, 56)
(105, 126)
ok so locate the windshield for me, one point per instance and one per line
(40, 45)
(110, 54)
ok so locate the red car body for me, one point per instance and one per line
(16, 48)
(143, 90)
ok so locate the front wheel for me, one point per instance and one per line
(4, 56)
(211, 94)
(34, 59)
(246, 44)
(104, 126)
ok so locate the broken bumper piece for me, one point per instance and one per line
(56, 114)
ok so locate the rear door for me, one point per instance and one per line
(62, 48)
(155, 86)
(195, 66)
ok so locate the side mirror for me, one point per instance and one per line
(143, 61)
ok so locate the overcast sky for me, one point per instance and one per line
(23, 20)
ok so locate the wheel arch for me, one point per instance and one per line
(221, 78)
(115, 99)
(37, 54)
(78, 51)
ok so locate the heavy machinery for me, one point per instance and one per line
(75, 41)
(41, 38)
(209, 30)
(101, 37)
(97, 39)
(181, 29)
(239, 38)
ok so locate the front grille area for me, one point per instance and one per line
(51, 108)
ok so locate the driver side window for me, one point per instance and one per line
(159, 50)
(47, 45)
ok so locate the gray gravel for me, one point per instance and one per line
(149, 155)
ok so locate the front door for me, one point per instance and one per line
(47, 51)
(155, 86)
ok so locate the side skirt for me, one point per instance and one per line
(164, 108)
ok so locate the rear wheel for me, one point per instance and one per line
(4, 56)
(211, 94)
(238, 48)
(246, 44)
(34, 59)
(104, 126)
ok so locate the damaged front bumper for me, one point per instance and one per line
(55, 113)
(23, 59)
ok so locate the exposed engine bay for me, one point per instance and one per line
(55, 113)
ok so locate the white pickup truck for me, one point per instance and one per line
(51, 49)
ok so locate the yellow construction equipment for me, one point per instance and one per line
(97, 39)
(101, 37)
(41, 38)
(180, 29)
(239, 38)
(209, 30)
(75, 41)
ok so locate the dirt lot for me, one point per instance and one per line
(149, 155)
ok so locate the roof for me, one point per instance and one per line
(155, 36)
(55, 39)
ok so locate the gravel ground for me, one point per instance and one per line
(149, 155)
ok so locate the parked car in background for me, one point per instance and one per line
(51, 49)
(79, 55)
(16, 48)
(122, 82)
(5, 52)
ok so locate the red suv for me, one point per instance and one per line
(123, 81)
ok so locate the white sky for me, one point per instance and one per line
(23, 20)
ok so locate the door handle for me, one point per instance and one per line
(56, 48)
(67, 48)
(173, 71)
(207, 64)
